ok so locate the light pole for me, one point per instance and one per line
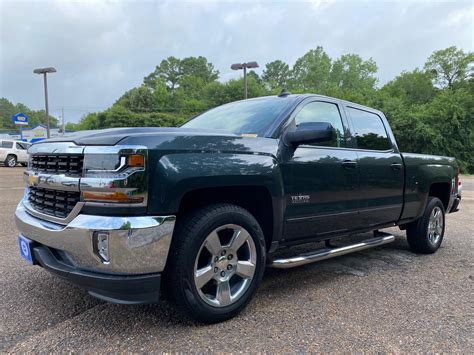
(244, 66)
(45, 71)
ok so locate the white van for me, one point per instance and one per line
(13, 152)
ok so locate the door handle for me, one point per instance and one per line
(349, 164)
(396, 166)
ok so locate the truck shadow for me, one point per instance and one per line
(278, 287)
(279, 284)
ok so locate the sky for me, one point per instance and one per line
(103, 48)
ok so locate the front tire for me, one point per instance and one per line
(426, 235)
(216, 262)
(10, 161)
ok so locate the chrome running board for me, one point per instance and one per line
(327, 253)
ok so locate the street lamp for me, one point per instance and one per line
(244, 66)
(45, 71)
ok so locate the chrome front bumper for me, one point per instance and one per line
(137, 245)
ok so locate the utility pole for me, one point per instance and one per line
(45, 71)
(245, 83)
(62, 118)
(244, 66)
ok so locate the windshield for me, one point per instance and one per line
(252, 117)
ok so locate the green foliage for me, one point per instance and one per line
(450, 66)
(35, 117)
(413, 87)
(172, 70)
(276, 75)
(311, 72)
(351, 73)
(430, 111)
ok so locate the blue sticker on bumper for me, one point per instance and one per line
(25, 249)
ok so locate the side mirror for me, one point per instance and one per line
(310, 132)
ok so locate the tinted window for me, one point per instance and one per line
(6, 144)
(369, 130)
(242, 117)
(323, 112)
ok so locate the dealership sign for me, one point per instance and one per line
(20, 119)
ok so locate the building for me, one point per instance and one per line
(37, 133)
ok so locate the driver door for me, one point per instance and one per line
(321, 179)
(22, 152)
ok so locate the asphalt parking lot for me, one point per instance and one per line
(383, 299)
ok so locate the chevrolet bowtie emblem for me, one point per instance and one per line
(33, 180)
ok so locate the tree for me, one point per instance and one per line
(199, 67)
(414, 87)
(276, 75)
(169, 70)
(451, 116)
(351, 72)
(172, 70)
(87, 122)
(141, 99)
(450, 66)
(311, 71)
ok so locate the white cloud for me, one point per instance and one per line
(103, 48)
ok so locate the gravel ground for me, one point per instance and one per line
(383, 299)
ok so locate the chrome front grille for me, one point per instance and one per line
(55, 203)
(67, 164)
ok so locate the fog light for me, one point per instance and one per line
(101, 245)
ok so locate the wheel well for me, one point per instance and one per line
(441, 190)
(255, 199)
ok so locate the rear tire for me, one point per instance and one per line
(216, 262)
(10, 161)
(426, 235)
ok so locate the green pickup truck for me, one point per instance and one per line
(199, 211)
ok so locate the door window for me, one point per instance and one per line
(21, 146)
(369, 130)
(319, 111)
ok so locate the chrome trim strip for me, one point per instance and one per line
(51, 181)
(328, 253)
(137, 245)
(113, 149)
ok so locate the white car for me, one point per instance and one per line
(13, 152)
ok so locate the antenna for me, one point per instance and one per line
(284, 93)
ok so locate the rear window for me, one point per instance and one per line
(6, 144)
(369, 130)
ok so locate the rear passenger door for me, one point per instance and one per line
(380, 166)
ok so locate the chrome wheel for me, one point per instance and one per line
(11, 162)
(225, 265)
(435, 225)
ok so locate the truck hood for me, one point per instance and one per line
(173, 139)
(113, 136)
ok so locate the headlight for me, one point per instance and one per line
(115, 175)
